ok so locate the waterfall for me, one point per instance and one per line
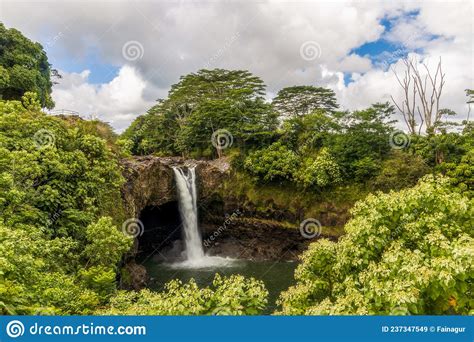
(187, 196)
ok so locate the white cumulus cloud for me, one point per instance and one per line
(264, 37)
(117, 102)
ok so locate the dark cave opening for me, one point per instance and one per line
(162, 227)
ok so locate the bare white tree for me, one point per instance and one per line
(470, 95)
(421, 96)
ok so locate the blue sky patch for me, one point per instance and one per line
(347, 78)
(383, 52)
(100, 72)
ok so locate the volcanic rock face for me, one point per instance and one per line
(150, 195)
(150, 180)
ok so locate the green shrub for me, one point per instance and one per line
(100, 279)
(462, 174)
(234, 295)
(321, 172)
(400, 170)
(403, 253)
(34, 277)
(106, 244)
(275, 163)
(365, 168)
(57, 253)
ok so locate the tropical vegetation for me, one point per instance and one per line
(407, 249)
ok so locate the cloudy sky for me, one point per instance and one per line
(118, 57)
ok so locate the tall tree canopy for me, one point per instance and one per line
(363, 140)
(203, 103)
(301, 100)
(216, 84)
(23, 67)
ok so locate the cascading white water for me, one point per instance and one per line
(186, 184)
(187, 198)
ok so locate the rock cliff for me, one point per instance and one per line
(150, 180)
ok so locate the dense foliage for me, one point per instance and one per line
(324, 148)
(301, 139)
(409, 252)
(234, 295)
(23, 67)
(58, 184)
(276, 162)
(61, 246)
(400, 170)
(302, 100)
(201, 104)
(462, 174)
(320, 172)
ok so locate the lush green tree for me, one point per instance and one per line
(125, 147)
(309, 132)
(319, 172)
(216, 84)
(365, 168)
(403, 253)
(105, 244)
(364, 140)
(275, 163)
(201, 104)
(57, 253)
(241, 126)
(51, 170)
(154, 132)
(462, 174)
(359, 141)
(37, 275)
(23, 67)
(301, 100)
(400, 170)
(447, 147)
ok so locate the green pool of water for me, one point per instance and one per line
(277, 276)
